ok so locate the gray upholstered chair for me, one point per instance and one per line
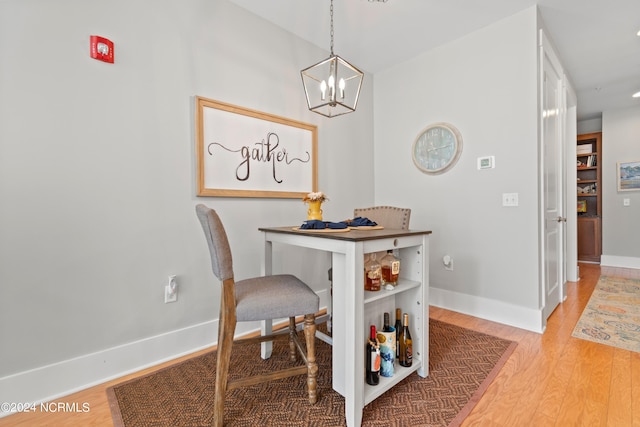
(386, 216)
(260, 298)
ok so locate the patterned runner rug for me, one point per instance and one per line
(462, 365)
(612, 315)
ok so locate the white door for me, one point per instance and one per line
(553, 117)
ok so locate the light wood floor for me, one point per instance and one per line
(551, 379)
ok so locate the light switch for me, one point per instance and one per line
(626, 202)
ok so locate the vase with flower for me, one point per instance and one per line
(314, 200)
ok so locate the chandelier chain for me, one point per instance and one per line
(331, 33)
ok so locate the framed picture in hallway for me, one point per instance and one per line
(247, 153)
(628, 176)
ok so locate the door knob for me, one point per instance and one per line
(561, 219)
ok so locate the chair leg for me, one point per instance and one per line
(312, 366)
(293, 354)
(225, 343)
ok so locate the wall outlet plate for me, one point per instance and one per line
(168, 296)
(509, 199)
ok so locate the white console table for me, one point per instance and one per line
(354, 309)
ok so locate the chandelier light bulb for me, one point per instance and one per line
(341, 85)
(332, 87)
(323, 89)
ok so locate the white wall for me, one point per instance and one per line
(485, 84)
(620, 229)
(97, 179)
(590, 126)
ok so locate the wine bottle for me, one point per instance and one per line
(388, 350)
(398, 331)
(406, 345)
(373, 358)
(386, 327)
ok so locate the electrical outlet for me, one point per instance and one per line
(168, 296)
(171, 290)
(509, 199)
(450, 266)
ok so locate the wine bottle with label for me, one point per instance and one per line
(398, 331)
(387, 340)
(373, 358)
(406, 345)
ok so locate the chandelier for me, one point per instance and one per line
(332, 86)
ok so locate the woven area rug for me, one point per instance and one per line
(612, 315)
(462, 365)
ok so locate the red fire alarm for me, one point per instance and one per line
(101, 49)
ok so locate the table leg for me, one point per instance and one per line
(267, 325)
(348, 335)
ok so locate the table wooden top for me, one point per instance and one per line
(354, 235)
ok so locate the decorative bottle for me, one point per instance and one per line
(373, 358)
(387, 341)
(390, 270)
(373, 274)
(406, 345)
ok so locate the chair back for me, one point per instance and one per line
(219, 249)
(386, 216)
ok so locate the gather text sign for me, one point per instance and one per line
(247, 153)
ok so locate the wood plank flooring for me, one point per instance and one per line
(551, 379)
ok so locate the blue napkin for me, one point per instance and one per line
(315, 224)
(361, 222)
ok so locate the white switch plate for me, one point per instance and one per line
(509, 199)
(626, 202)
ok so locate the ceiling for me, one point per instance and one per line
(595, 39)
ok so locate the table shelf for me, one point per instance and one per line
(372, 392)
(403, 285)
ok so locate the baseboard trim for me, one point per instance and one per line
(619, 261)
(488, 309)
(54, 381)
(51, 382)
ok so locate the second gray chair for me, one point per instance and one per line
(260, 298)
(386, 216)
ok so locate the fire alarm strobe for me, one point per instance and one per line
(101, 49)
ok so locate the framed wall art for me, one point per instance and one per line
(628, 176)
(247, 153)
